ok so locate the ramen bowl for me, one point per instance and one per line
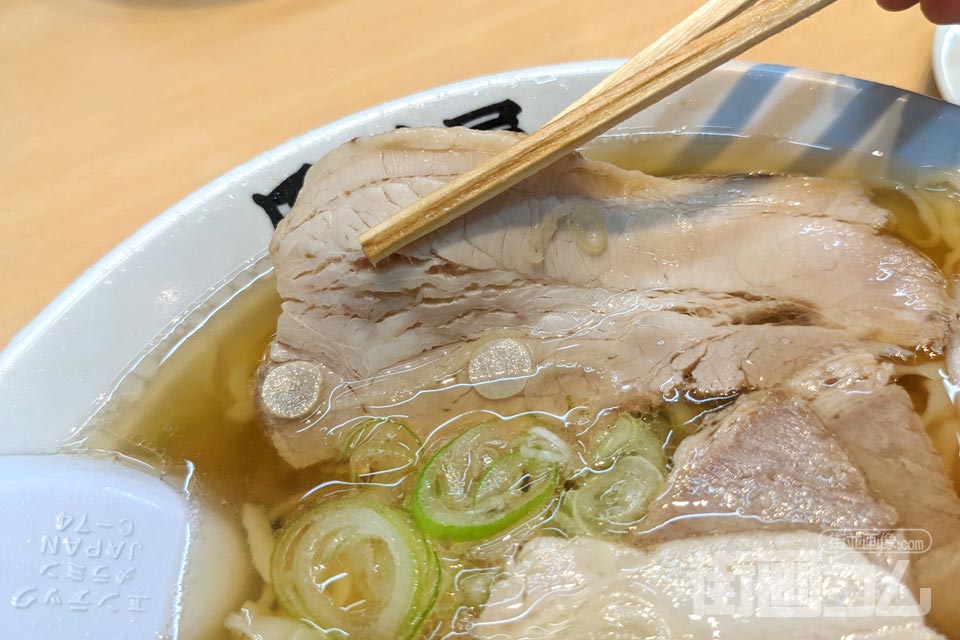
(97, 344)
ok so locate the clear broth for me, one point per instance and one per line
(198, 407)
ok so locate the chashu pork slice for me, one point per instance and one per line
(576, 261)
(767, 462)
(737, 586)
(886, 439)
(633, 365)
(840, 448)
(883, 435)
(807, 241)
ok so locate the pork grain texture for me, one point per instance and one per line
(706, 286)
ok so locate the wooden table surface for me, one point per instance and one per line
(112, 110)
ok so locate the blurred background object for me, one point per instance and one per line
(946, 62)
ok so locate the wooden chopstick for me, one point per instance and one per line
(707, 17)
(617, 100)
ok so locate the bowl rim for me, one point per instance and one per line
(12, 357)
(155, 225)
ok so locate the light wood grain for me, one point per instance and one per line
(645, 79)
(113, 110)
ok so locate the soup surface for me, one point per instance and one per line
(197, 416)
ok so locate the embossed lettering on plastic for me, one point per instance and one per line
(84, 565)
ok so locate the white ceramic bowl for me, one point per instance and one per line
(61, 368)
(946, 62)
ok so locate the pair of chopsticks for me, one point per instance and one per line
(717, 32)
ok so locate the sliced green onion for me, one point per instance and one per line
(545, 445)
(483, 482)
(358, 566)
(628, 469)
(381, 450)
(630, 436)
(506, 480)
(611, 500)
